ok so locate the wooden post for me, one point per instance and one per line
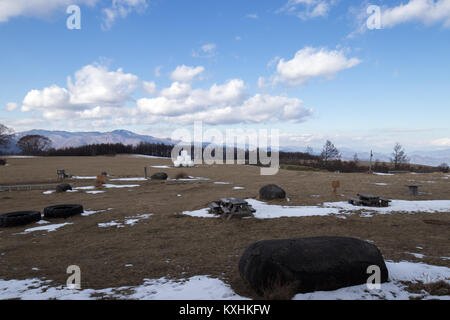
(145, 172)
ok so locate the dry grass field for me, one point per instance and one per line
(177, 246)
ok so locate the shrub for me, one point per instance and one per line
(2, 162)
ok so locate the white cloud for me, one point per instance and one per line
(310, 63)
(443, 142)
(307, 9)
(207, 50)
(36, 8)
(94, 86)
(221, 104)
(121, 9)
(11, 106)
(185, 73)
(252, 16)
(97, 95)
(425, 11)
(149, 87)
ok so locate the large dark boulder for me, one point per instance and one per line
(159, 176)
(271, 192)
(309, 264)
(63, 187)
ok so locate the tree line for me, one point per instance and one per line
(328, 159)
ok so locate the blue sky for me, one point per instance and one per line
(309, 68)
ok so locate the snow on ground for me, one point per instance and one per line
(19, 157)
(95, 192)
(145, 156)
(393, 290)
(130, 221)
(49, 191)
(207, 288)
(87, 213)
(48, 228)
(219, 182)
(268, 211)
(417, 255)
(383, 174)
(190, 179)
(238, 188)
(128, 179)
(195, 288)
(381, 184)
(120, 185)
(161, 167)
(403, 206)
(84, 177)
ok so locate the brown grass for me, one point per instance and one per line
(167, 246)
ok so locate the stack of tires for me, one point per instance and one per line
(20, 218)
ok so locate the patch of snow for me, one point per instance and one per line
(48, 228)
(120, 185)
(381, 184)
(128, 265)
(161, 167)
(222, 182)
(87, 213)
(131, 221)
(129, 179)
(195, 288)
(417, 255)
(383, 174)
(190, 179)
(42, 222)
(95, 192)
(404, 206)
(49, 191)
(19, 157)
(84, 177)
(267, 211)
(238, 188)
(393, 290)
(145, 156)
(445, 258)
(35, 269)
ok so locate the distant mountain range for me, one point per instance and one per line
(63, 139)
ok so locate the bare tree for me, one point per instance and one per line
(355, 158)
(444, 167)
(34, 144)
(329, 152)
(309, 150)
(5, 135)
(399, 156)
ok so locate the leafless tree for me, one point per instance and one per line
(399, 156)
(34, 144)
(309, 150)
(329, 152)
(5, 135)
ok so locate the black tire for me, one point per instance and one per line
(19, 218)
(63, 211)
